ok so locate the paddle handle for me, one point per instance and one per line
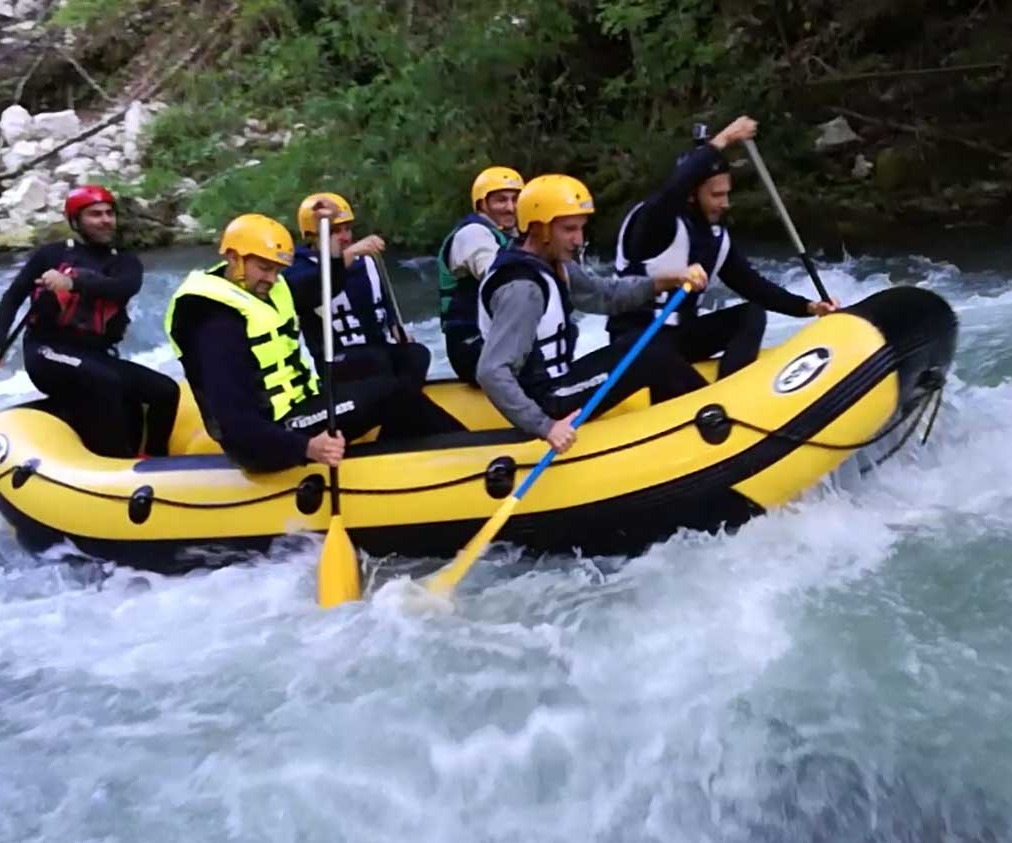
(326, 297)
(603, 390)
(778, 203)
(388, 288)
(13, 337)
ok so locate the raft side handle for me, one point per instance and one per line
(713, 424)
(140, 503)
(500, 477)
(22, 472)
(309, 494)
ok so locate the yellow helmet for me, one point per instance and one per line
(255, 234)
(551, 196)
(492, 179)
(309, 224)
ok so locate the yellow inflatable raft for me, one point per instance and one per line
(717, 456)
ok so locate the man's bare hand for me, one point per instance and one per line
(695, 276)
(744, 128)
(373, 245)
(326, 449)
(562, 436)
(54, 280)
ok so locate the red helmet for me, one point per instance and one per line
(81, 197)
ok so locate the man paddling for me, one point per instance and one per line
(681, 224)
(368, 338)
(525, 305)
(466, 255)
(235, 330)
(365, 328)
(80, 289)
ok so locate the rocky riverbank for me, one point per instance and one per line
(45, 154)
(911, 142)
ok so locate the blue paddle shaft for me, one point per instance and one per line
(605, 388)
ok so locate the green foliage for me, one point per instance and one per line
(398, 103)
(75, 13)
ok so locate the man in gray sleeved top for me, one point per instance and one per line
(525, 305)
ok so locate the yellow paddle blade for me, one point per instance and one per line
(337, 575)
(446, 578)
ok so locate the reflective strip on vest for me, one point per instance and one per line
(553, 328)
(273, 332)
(346, 325)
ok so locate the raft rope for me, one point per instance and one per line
(923, 402)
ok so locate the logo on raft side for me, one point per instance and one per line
(802, 370)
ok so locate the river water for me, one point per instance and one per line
(840, 670)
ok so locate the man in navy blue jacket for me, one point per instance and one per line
(681, 225)
(368, 341)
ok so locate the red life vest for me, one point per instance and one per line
(88, 316)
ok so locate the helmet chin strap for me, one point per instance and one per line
(236, 271)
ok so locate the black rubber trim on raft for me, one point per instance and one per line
(162, 556)
(703, 500)
(622, 524)
(469, 478)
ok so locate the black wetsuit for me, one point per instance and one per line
(70, 349)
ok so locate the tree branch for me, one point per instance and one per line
(20, 89)
(926, 131)
(896, 74)
(84, 74)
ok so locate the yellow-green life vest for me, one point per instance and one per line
(273, 331)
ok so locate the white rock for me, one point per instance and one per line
(18, 154)
(26, 8)
(48, 217)
(134, 121)
(75, 150)
(15, 123)
(191, 225)
(75, 169)
(27, 195)
(56, 124)
(112, 162)
(862, 167)
(6, 10)
(836, 132)
(15, 234)
(26, 148)
(56, 194)
(186, 185)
